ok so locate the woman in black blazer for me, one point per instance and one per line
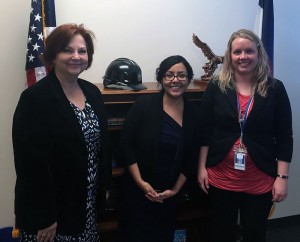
(245, 157)
(159, 147)
(60, 145)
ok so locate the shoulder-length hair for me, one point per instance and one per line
(261, 72)
(59, 39)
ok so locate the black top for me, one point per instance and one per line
(141, 133)
(169, 154)
(51, 158)
(268, 134)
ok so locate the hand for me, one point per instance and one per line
(154, 197)
(149, 191)
(47, 234)
(166, 194)
(203, 179)
(280, 190)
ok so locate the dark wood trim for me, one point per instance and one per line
(113, 96)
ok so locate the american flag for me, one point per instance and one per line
(264, 27)
(42, 22)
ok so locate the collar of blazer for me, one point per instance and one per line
(258, 104)
(62, 104)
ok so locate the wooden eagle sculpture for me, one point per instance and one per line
(214, 60)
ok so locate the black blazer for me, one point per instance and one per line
(268, 132)
(141, 132)
(51, 158)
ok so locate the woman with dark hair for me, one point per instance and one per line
(159, 146)
(248, 141)
(60, 144)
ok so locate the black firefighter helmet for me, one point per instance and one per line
(123, 73)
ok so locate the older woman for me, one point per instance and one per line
(60, 145)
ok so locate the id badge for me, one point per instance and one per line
(240, 155)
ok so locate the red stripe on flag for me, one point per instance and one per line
(30, 75)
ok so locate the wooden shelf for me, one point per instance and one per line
(114, 96)
(117, 171)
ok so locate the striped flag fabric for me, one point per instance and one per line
(42, 22)
(264, 27)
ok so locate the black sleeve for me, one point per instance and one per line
(283, 119)
(35, 188)
(207, 111)
(192, 140)
(129, 134)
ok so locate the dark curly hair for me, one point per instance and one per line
(167, 63)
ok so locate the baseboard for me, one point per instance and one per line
(283, 222)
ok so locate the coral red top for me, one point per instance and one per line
(251, 180)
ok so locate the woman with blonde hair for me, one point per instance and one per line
(244, 159)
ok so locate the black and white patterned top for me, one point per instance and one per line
(92, 135)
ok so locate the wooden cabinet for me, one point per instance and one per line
(195, 206)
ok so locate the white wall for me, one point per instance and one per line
(287, 63)
(146, 31)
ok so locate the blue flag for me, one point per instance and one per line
(42, 22)
(264, 27)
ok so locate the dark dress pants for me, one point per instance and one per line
(252, 209)
(142, 220)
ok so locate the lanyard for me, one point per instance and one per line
(242, 120)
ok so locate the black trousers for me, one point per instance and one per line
(142, 220)
(252, 209)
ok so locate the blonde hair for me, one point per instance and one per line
(261, 72)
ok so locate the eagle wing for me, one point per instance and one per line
(204, 47)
